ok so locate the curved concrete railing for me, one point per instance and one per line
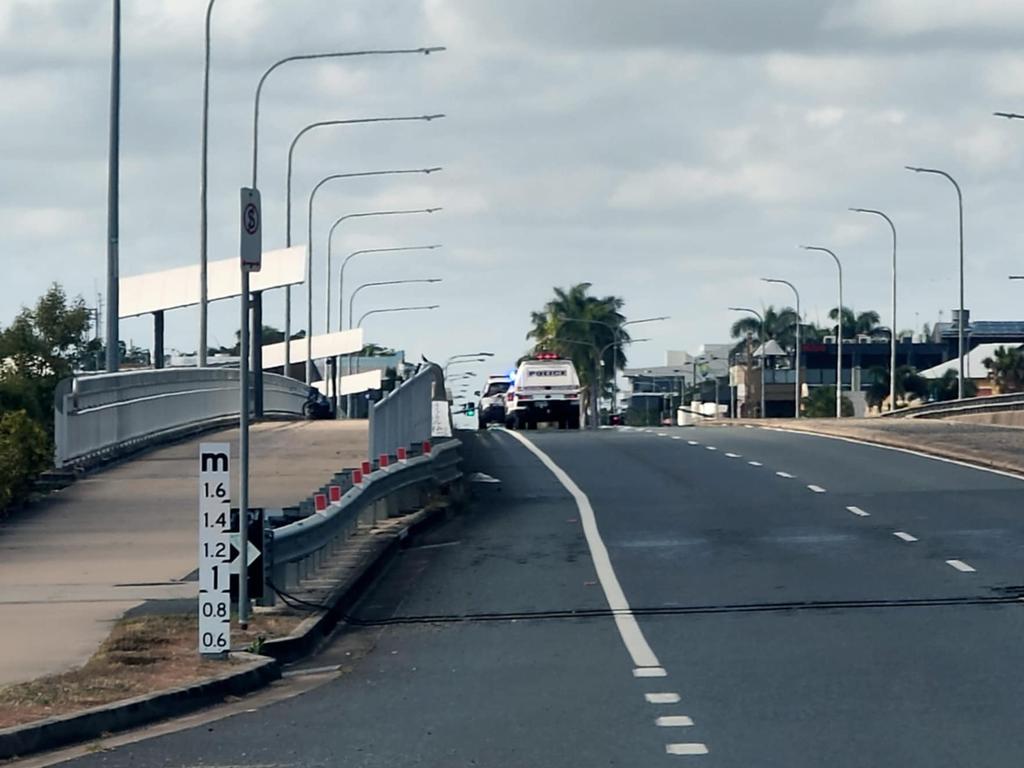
(991, 404)
(100, 416)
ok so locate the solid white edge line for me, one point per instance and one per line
(662, 698)
(649, 672)
(858, 511)
(673, 721)
(632, 636)
(816, 488)
(911, 451)
(904, 536)
(689, 748)
(961, 566)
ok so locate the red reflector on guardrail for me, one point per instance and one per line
(320, 501)
(402, 455)
(357, 477)
(335, 492)
(383, 460)
(426, 447)
(367, 468)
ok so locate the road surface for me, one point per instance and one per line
(793, 601)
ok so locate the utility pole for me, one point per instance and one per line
(113, 174)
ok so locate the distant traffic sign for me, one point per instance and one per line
(251, 230)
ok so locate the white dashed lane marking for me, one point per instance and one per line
(755, 463)
(712, 448)
(676, 437)
(904, 536)
(662, 698)
(785, 474)
(960, 565)
(673, 721)
(649, 672)
(816, 488)
(692, 748)
(693, 442)
(733, 455)
(663, 434)
(859, 512)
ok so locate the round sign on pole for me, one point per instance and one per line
(251, 250)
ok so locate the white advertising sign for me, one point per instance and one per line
(214, 548)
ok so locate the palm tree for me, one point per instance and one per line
(853, 324)
(578, 326)
(778, 324)
(821, 404)
(908, 384)
(1006, 369)
(945, 388)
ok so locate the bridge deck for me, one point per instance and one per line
(77, 561)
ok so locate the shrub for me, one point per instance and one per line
(24, 454)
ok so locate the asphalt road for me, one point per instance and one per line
(773, 625)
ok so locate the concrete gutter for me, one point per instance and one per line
(21, 740)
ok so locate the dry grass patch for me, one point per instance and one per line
(142, 655)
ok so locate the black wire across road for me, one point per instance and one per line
(683, 610)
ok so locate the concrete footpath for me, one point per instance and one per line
(73, 563)
(999, 447)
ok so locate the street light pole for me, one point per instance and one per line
(288, 204)
(393, 309)
(113, 196)
(203, 155)
(352, 297)
(361, 252)
(330, 243)
(892, 346)
(760, 319)
(839, 338)
(796, 356)
(309, 249)
(960, 320)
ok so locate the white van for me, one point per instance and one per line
(545, 389)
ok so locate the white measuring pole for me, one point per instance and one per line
(214, 548)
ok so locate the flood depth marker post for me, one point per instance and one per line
(214, 548)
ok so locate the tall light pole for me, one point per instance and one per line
(203, 155)
(463, 361)
(796, 356)
(760, 319)
(892, 345)
(288, 205)
(364, 214)
(394, 309)
(839, 335)
(363, 252)
(960, 320)
(352, 297)
(309, 249)
(113, 196)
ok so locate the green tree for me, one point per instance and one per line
(945, 387)
(908, 384)
(43, 345)
(821, 404)
(578, 326)
(855, 323)
(1006, 369)
(778, 324)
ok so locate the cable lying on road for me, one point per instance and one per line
(683, 610)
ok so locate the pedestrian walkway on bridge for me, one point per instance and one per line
(73, 563)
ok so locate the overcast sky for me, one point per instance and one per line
(669, 152)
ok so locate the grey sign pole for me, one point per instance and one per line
(250, 253)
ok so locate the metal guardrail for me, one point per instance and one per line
(990, 404)
(104, 415)
(296, 550)
(405, 415)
